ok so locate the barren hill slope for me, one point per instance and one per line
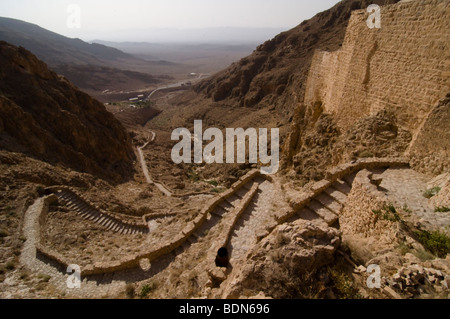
(56, 49)
(45, 116)
(90, 66)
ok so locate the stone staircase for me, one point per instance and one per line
(87, 211)
(253, 222)
(328, 204)
(222, 210)
(239, 217)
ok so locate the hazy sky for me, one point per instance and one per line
(109, 19)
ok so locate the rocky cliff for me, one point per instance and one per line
(46, 117)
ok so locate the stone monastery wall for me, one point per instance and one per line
(403, 66)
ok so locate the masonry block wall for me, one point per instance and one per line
(403, 66)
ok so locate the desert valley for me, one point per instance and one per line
(93, 205)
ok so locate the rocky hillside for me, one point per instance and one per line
(90, 66)
(56, 49)
(46, 117)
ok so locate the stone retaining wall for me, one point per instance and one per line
(40, 248)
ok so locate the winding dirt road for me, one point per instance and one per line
(144, 166)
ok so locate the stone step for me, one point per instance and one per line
(342, 187)
(105, 221)
(117, 227)
(64, 196)
(259, 179)
(349, 179)
(219, 211)
(307, 214)
(72, 206)
(84, 209)
(93, 216)
(101, 219)
(337, 195)
(232, 200)
(108, 223)
(241, 192)
(225, 206)
(216, 214)
(330, 203)
(323, 212)
(84, 215)
(248, 186)
(112, 225)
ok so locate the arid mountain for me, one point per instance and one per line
(44, 116)
(89, 66)
(55, 49)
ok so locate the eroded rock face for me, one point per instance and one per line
(282, 262)
(43, 115)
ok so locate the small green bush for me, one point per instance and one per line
(146, 289)
(342, 284)
(213, 183)
(436, 242)
(3, 233)
(194, 177)
(424, 255)
(389, 213)
(432, 192)
(407, 209)
(442, 209)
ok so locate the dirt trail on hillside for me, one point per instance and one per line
(144, 166)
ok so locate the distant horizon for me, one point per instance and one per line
(238, 35)
(164, 20)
